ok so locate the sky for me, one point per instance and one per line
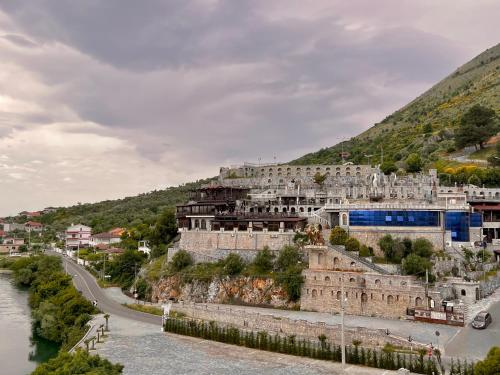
(111, 98)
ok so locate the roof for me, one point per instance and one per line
(114, 250)
(33, 224)
(105, 235)
(2, 233)
(76, 228)
(487, 207)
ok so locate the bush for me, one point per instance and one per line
(263, 262)
(78, 363)
(291, 280)
(491, 364)
(413, 163)
(364, 251)
(233, 265)
(181, 260)
(289, 256)
(422, 247)
(352, 244)
(338, 236)
(416, 265)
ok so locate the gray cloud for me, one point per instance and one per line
(211, 82)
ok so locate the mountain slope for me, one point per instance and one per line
(425, 125)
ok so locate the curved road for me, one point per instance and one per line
(86, 283)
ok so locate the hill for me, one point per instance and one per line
(426, 125)
(126, 212)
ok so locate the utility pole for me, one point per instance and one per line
(427, 288)
(342, 308)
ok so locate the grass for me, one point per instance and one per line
(482, 154)
(145, 309)
(106, 284)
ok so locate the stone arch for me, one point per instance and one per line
(463, 292)
(364, 298)
(284, 209)
(344, 219)
(336, 261)
(390, 299)
(352, 280)
(339, 295)
(314, 293)
(378, 283)
(203, 224)
(196, 223)
(337, 174)
(418, 301)
(327, 279)
(276, 209)
(301, 209)
(292, 210)
(353, 264)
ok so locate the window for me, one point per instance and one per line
(344, 219)
(418, 301)
(463, 292)
(458, 224)
(327, 279)
(352, 280)
(203, 224)
(314, 293)
(353, 264)
(394, 218)
(339, 294)
(390, 300)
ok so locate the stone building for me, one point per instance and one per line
(369, 291)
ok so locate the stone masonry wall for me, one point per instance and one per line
(242, 319)
(211, 242)
(370, 236)
(367, 294)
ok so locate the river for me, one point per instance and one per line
(19, 351)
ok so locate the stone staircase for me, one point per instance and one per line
(358, 259)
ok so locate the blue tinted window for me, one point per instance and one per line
(458, 224)
(394, 218)
(476, 219)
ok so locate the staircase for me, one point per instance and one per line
(358, 259)
(316, 218)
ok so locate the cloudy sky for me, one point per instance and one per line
(103, 99)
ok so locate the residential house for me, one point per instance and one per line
(33, 226)
(77, 236)
(11, 245)
(106, 238)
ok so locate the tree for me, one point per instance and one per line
(477, 125)
(181, 260)
(78, 363)
(491, 364)
(364, 251)
(427, 128)
(263, 262)
(338, 236)
(319, 178)
(352, 244)
(423, 247)
(165, 228)
(416, 265)
(388, 167)
(291, 280)
(413, 163)
(233, 265)
(289, 256)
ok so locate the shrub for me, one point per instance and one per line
(289, 256)
(352, 244)
(233, 265)
(338, 236)
(181, 260)
(422, 247)
(291, 280)
(263, 262)
(364, 251)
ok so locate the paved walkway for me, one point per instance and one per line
(143, 349)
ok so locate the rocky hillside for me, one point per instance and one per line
(426, 125)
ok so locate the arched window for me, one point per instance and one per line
(314, 293)
(276, 209)
(364, 297)
(203, 224)
(301, 209)
(378, 283)
(320, 258)
(344, 219)
(352, 280)
(339, 294)
(390, 299)
(292, 210)
(284, 209)
(196, 223)
(327, 279)
(353, 264)
(336, 261)
(463, 292)
(418, 301)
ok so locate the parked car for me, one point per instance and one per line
(482, 320)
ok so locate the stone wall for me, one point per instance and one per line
(242, 319)
(371, 235)
(367, 294)
(219, 244)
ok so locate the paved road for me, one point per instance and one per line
(474, 344)
(85, 282)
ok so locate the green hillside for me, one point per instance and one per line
(126, 212)
(426, 125)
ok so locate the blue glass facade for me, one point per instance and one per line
(476, 219)
(458, 224)
(394, 218)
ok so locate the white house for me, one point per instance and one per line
(106, 238)
(77, 236)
